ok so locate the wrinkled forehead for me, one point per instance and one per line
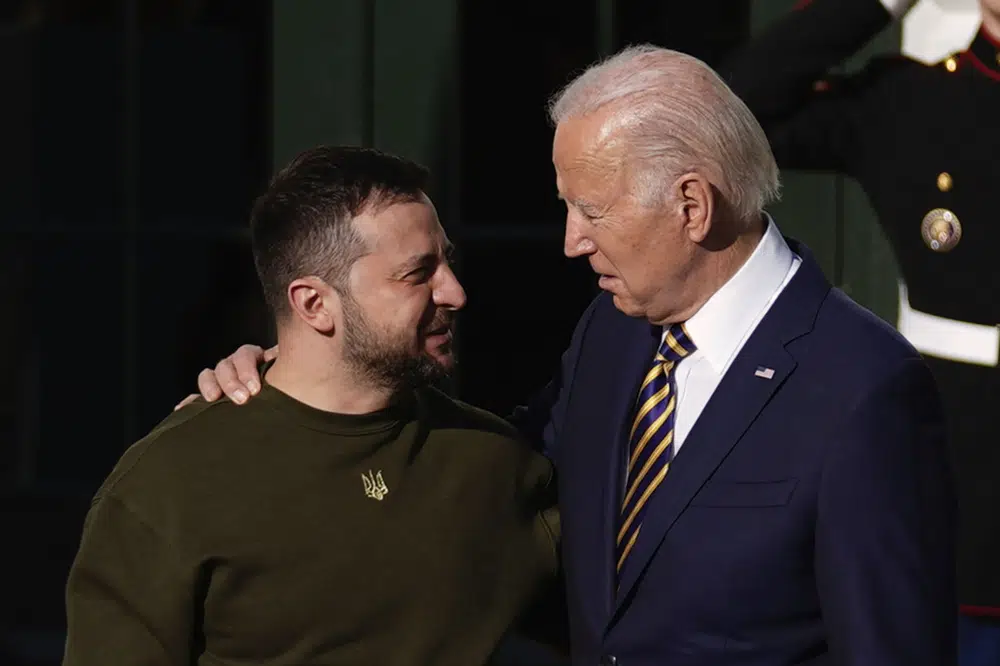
(588, 154)
(598, 139)
(595, 133)
(402, 228)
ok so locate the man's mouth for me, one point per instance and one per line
(441, 329)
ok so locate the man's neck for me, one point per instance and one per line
(720, 267)
(326, 384)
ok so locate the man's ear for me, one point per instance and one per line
(695, 202)
(315, 302)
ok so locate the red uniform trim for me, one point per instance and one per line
(980, 65)
(979, 611)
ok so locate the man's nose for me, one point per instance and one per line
(575, 243)
(449, 293)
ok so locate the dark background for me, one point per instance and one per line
(133, 138)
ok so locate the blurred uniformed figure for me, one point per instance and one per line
(924, 143)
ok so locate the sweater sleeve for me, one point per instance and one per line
(813, 120)
(130, 598)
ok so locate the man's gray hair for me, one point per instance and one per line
(677, 116)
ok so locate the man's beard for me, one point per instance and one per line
(385, 359)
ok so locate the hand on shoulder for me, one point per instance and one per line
(235, 376)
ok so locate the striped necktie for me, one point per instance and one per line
(652, 437)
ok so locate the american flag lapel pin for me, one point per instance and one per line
(766, 373)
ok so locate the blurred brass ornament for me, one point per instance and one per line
(945, 181)
(941, 230)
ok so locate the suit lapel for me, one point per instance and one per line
(620, 361)
(735, 404)
(733, 407)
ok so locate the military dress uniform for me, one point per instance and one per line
(924, 143)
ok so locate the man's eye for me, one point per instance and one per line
(587, 212)
(420, 274)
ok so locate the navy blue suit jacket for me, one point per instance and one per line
(808, 518)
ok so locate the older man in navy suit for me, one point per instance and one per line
(752, 468)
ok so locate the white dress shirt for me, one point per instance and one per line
(722, 326)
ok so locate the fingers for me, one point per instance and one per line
(208, 385)
(245, 362)
(235, 376)
(271, 354)
(229, 382)
(186, 401)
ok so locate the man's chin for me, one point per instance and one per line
(439, 369)
(429, 369)
(445, 361)
(627, 306)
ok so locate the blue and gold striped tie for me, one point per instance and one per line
(652, 437)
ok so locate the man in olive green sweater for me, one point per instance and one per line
(351, 514)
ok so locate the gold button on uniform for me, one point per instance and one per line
(951, 64)
(941, 230)
(944, 181)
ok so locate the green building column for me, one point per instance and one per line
(380, 73)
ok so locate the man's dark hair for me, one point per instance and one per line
(303, 224)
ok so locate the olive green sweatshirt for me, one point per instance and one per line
(274, 533)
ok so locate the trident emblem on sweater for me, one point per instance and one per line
(374, 485)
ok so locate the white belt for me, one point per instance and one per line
(947, 338)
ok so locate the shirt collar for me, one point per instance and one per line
(718, 328)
